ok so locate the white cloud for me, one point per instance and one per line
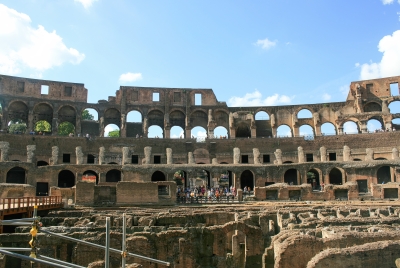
(390, 63)
(130, 77)
(255, 99)
(265, 43)
(357, 64)
(86, 3)
(22, 46)
(387, 2)
(326, 97)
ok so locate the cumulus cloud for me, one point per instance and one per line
(387, 2)
(265, 43)
(256, 99)
(130, 77)
(22, 46)
(390, 63)
(86, 3)
(326, 97)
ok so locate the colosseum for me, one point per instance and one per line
(318, 200)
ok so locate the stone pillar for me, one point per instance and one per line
(395, 154)
(340, 130)
(4, 119)
(101, 127)
(30, 125)
(169, 156)
(363, 126)
(167, 132)
(369, 154)
(30, 153)
(385, 108)
(322, 151)
(214, 161)
(210, 125)
(231, 129)
(123, 126)
(54, 126)
(300, 153)
(79, 155)
(78, 127)
(278, 156)
(188, 133)
(346, 153)
(238, 251)
(125, 156)
(256, 155)
(102, 151)
(147, 155)
(236, 155)
(190, 158)
(54, 156)
(296, 131)
(145, 127)
(4, 147)
(253, 127)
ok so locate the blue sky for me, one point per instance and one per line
(248, 52)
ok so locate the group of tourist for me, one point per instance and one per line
(206, 192)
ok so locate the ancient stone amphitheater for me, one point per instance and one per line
(321, 200)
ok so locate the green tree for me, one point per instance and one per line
(86, 115)
(42, 126)
(17, 126)
(114, 133)
(65, 128)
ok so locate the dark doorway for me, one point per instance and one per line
(290, 176)
(113, 175)
(66, 179)
(243, 131)
(42, 163)
(16, 175)
(383, 175)
(247, 179)
(42, 189)
(362, 186)
(313, 179)
(335, 177)
(158, 176)
(90, 159)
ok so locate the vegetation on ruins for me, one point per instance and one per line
(86, 115)
(65, 128)
(42, 126)
(114, 133)
(17, 126)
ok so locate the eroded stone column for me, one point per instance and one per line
(30, 153)
(169, 156)
(322, 151)
(147, 155)
(278, 156)
(79, 155)
(256, 155)
(125, 156)
(190, 158)
(4, 147)
(346, 153)
(300, 153)
(236, 155)
(54, 156)
(395, 154)
(214, 161)
(370, 154)
(102, 151)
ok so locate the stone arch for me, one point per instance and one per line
(16, 175)
(134, 116)
(67, 113)
(155, 117)
(66, 179)
(199, 118)
(374, 124)
(306, 130)
(313, 178)
(93, 111)
(90, 175)
(372, 107)
(336, 176)
(394, 106)
(155, 131)
(177, 118)
(243, 130)
(263, 124)
(261, 115)
(18, 110)
(134, 123)
(304, 113)
(328, 128)
(221, 118)
(200, 177)
(112, 116)
(158, 176)
(43, 111)
(284, 131)
(291, 176)
(41, 163)
(201, 156)
(247, 179)
(220, 132)
(351, 127)
(383, 175)
(113, 175)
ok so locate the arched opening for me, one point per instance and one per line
(134, 124)
(304, 113)
(66, 129)
(374, 125)
(261, 116)
(199, 133)
(394, 107)
(247, 180)
(200, 178)
(17, 126)
(114, 175)
(243, 131)
(41, 127)
(350, 128)
(335, 177)
(225, 179)
(18, 116)
(283, 131)
(134, 116)
(383, 175)
(290, 177)
(155, 132)
(307, 132)
(313, 179)
(112, 131)
(89, 114)
(328, 129)
(158, 176)
(396, 124)
(177, 133)
(288, 162)
(220, 133)
(91, 176)
(66, 179)
(41, 163)
(372, 107)
(16, 175)
(180, 178)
